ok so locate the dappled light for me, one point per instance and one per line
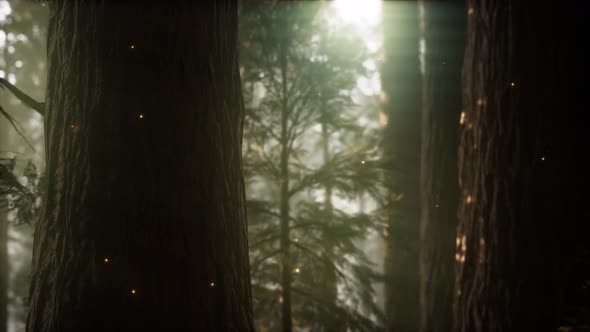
(329, 166)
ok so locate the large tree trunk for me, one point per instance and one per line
(143, 225)
(401, 102)
(444, 32)
(516, 163)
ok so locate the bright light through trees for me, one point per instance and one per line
(365, 18)
(366, 12)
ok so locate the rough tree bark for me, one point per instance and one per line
(401, 103)
(143, 224)
(516, 157)
(443, 32)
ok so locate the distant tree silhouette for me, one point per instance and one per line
(302, 136)
(401, 102)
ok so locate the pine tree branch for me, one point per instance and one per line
(16, 127)
(32, 103)
(358, 321)
(8, 182)
(254, 265)
(329, 263)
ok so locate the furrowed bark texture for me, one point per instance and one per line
(516, 164)
(444, 33)
(401, 153)
(143, 226)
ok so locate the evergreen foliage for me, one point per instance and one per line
(20, 193)
(297, 76)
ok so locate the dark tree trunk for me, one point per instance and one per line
(331, 323)
(285, 237)
(444, 33)
(516, 163)
(143, 226)
(401, 102)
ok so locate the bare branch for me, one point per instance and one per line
(16, 127)
(25, 98)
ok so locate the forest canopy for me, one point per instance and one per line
(292, 166)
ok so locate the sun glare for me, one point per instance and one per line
(358, 11)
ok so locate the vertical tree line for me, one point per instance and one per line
(401, 85)
(481, 171)
(138, 231)
(273, 35)
(518, 169)
(443, 32)
(303, 148)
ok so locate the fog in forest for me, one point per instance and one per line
(372, 159)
